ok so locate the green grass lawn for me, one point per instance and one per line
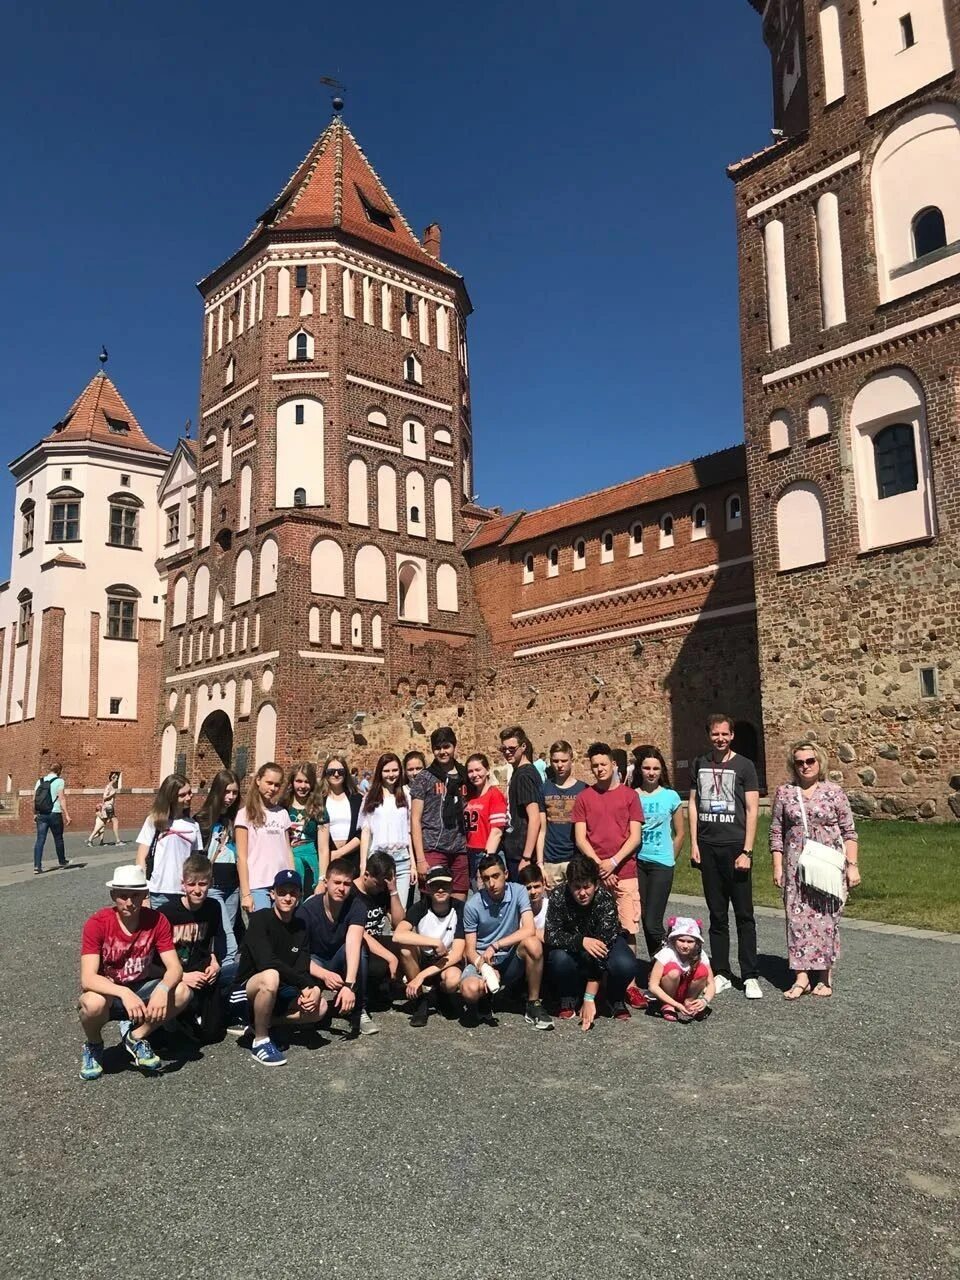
(911, 874)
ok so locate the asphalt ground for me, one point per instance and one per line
(820, 1138)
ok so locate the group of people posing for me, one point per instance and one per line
(313, 899)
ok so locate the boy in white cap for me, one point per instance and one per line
(681, 977)
(120, 945)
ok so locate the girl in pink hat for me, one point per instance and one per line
(681, 977)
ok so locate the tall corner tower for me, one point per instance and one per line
(334, 475)
(849, 245)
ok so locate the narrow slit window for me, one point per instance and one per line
(907, 38)
(928, 682)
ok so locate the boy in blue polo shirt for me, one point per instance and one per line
(502, 945)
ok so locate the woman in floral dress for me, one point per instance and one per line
(813, 917)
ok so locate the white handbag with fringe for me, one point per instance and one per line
(821, 866)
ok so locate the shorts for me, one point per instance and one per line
(510, 966)
(627, 895)
(699, 974)
(143, 990)
(456, 863)
(554, 873)
(286, 996)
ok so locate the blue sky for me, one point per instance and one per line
(574, 154)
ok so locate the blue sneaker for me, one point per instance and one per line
(268, 1054)
(124, 1026)
(91, 1062)
(141, 1053)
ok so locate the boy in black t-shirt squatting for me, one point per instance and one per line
(196, 923)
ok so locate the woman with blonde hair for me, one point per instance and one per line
(811, 808)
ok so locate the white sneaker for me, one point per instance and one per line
(721, 983)
(490, 976)
(751, 989)
(367, 1025)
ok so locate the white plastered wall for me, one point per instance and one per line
(893, 71)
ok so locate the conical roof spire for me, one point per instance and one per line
(101, 414)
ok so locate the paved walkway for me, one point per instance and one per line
(819, 1138)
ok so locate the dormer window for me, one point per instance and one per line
(379, 217)
(117, 426)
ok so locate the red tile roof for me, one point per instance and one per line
(335, 186)
(100, 413)
(725, 467)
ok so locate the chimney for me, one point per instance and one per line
(431, 240)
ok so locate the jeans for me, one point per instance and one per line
(569, 974)
(158, 900)
(52, 822)
(724, 886)
(229, 901)
(656, 881)
(261, 899)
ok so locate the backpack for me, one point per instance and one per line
(43, 796)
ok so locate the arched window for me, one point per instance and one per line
(335, 635)
(447, 596)
(580, 554)
(246, 494)
(313, 625)
(230, 372)
(636, 539)
(299, 497)
(283, 291)
(300, 451)
(25, 616)
(818, 417)
(387, 497)
(666, 530)
(734, 513)
(201, 592)
(180, 591)
(606, 546)
(891, 460)
(358, 511)
(370, 574)
(356, 630)
(698, 523)
(122, 612)
(206, 516)
(376, 631)
(443, 329)
(443, 509)
(414, 438)
(553, 562)
(413, 370)
(28, 512)
(300, 345)
(801, 527)
(415, 501)
(528, 566)
(929, 232)
(326, 568)
(780, 431)
(377, 419)
(124, 520)
(243, 577)
(266, 735)
(218, 606)
(895, 460)
(412, 590)
(65, 514)
(269, 568)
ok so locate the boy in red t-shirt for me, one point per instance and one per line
(120, 945)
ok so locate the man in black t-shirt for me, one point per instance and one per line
(525, 800)
(197, 927)
(432, 941)
(376, 886)
(274, 969)
(724, 803)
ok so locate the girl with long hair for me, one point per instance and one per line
(339, 834)
(385, 823)
(167, 838)
(304, 803)
(216, 820)
(663, 836)
(486, 813)
(262, 829)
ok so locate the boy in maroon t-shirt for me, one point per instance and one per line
(608, 828)
(120, 945)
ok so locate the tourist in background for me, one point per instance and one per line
(811, 807)
(167, 838)
(663, 835)
(216, 822)
(339, 834)
(107, 812)
(51, 815)
(303, 801)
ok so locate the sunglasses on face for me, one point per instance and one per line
(335, 773)
(806, 762)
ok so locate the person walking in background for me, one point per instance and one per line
(486, 812)
(724, 803)
(525, 801)
(52, 816)
(556, 845)
(167, 838)
(810, 807)
(107, 812)
(663, 835)
(216, 822)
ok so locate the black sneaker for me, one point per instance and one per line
(536, 1018)
(421, 1014)
(485, 1013)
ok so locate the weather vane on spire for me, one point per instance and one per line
(337, 97)
(104, 356)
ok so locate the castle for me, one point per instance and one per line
(313, 572)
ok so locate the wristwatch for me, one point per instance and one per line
(351, 986)
(746, 853)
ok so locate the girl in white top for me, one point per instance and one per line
(167, 838)
(339, 834)
(385, 823)
(681, 977)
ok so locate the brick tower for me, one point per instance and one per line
(849, 235)
(322, 600)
